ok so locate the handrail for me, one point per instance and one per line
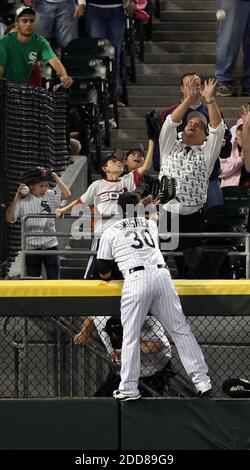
(25, 234)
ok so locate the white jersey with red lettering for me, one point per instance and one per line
(103, 195)
(148, 286)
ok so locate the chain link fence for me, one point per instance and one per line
(39, 358)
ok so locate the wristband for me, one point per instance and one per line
(211, 101)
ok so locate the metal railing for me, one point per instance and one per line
(25, 234)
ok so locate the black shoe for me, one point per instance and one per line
(206, 394)
(245, 91)
(236, 388)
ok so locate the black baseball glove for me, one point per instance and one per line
(236, 388)
(153, 124)
(115, 332)
(155, 188)
(166, 191)
(129, 197)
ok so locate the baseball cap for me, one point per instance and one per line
(119, 154)
(239, 123)
(197, 114)
(25, 10)
(111, 156)
(136, 146)
(36, 175)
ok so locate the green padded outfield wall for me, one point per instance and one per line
(104, 424)
(186, 424)
(79, 297)
(90, 423)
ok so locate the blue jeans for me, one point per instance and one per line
(232, 32)
(56, 20)
(108, 23)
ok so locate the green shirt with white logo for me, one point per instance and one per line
(18, 59)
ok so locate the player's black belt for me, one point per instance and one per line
(141, 268)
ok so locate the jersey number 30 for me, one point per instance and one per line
(140, 239)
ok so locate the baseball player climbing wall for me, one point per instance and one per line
(133, 244)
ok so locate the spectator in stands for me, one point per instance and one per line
(58, 19)
(106, 19)
(118, 152)
(2, 26)
(233, 32)
(20, 51)
(102, 195)
(246, 138)
(246, 146)
(191, 160)
(75, 146)
(36, 75)
(233, 128)
(233, 171)
(154, 348)
(214, 193)
(134, 159)
(33, 196)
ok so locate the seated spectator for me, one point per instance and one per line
(21, 50)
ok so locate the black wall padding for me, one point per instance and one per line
(59, 424)
(186, 424)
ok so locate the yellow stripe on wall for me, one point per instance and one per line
(82, 288)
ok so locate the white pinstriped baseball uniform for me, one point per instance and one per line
(133, 243)
(46, 204)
